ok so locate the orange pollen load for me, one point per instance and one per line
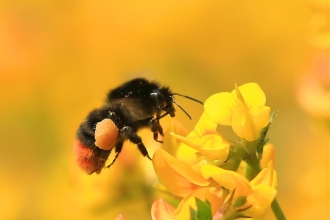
(106, 133)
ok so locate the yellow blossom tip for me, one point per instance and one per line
(268, 155)
(239, 95)
(271, 176)
(267, 176)
(260, 200)
(187, 141)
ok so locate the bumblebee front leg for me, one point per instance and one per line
(156, 128)
(128, 133)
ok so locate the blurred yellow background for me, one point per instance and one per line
(58, 59)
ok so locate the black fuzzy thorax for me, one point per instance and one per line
(142, 98)
(139, 88)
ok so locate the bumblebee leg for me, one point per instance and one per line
(143, 150)
(162, 116)
(119, 147)
(156, 128)
(136, 139)
(160, 131)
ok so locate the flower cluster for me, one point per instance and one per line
(224, 161)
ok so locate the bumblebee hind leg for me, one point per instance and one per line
(118, 148)
(135, 139)
(143, 150)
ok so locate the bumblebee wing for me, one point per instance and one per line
(135, 109)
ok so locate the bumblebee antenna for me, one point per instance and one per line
(187, 97)
(181, 108)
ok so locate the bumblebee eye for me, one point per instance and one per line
(106, 133)
(155, 96)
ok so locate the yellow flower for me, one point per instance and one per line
(186, 165)
(202, 141)
(251, 199)
(227, 179)
(205, 126)
(244, 109)
(267, 176)
(173, 145)
(264, 191)
(229, 194)
(178, 177)
(211, 146)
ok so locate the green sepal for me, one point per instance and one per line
(203, 211)
(240, 201)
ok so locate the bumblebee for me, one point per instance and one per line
(134, 105)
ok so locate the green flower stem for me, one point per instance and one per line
(235, 157)
(253, 168)
(232, 164)
(277, 210)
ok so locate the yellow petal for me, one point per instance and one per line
(161, 210)
(205, 126)
(219, 107)
(242, 168)
(178, 177)
(171, 144)
(211, 146)
(260, 200)
(242, 123)
(252, 94)
(186, 153)
(267, 155)
(267, 176)
(227, 179)
(239, 95)
(260, 116)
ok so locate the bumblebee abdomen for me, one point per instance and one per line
(89, 159)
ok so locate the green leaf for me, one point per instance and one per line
(193, 214)
(203, 211)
